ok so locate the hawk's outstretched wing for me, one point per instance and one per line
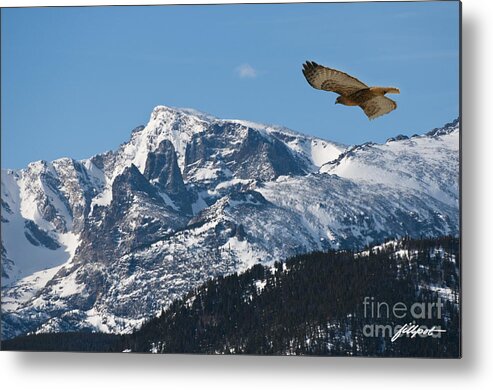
(379, 105)
(332, 80)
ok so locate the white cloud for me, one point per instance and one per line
(246, 71)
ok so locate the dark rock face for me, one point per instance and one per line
(254, 155)
(6, 262)
(162, 169)
(131, 183)
(136, 216)
(5, 211)
(264, 159)
(37, 236)
(400, 137)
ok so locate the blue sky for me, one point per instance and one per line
(75, 81)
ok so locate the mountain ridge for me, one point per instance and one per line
(190, 197)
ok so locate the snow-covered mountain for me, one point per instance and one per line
(104, 243)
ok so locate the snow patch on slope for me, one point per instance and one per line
(29, 258)
(417, 163)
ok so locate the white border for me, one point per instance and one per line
(126, 371)
(45, 3)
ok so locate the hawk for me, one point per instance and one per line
(353, 92)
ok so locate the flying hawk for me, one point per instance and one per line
(353, 92)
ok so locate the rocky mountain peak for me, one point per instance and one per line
(445, 129)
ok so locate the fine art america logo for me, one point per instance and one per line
(399, 310)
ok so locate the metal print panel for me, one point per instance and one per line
(324, 219)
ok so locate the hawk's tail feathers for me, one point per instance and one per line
(384, 90)
(393, 90)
